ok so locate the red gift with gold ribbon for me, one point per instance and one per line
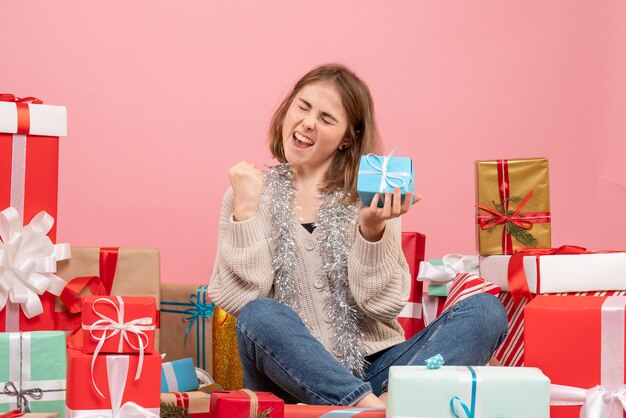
(106, 271)
(512, 205)
(246, 404)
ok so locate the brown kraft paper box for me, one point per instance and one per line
(136, 272)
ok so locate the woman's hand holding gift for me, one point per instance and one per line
(373, 218)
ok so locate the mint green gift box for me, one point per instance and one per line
(490, 392)
(382, 174)
(438, 289)
(33, 364)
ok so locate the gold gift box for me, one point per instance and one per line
(515, 179)
(176, 297)
(227, 370)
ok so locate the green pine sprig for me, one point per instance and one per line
(264, 414)
(520, 234)
(169, 410)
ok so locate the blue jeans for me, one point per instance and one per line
(279, 354)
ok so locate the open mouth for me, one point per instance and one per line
(300, 141)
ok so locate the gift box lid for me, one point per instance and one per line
(41, 119)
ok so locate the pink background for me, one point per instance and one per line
(164, 96)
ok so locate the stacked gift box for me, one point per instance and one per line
(578, 342)
(115, 368)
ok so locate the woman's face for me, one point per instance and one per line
(314, 126)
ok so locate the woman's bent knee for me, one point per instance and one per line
(489, 314)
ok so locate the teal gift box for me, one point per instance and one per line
(33, 364)
(478, 392)
(381, 174)
(179, 376)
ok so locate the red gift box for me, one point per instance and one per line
(315, 411)
(29, 156)
(118, 324)
(411, 318)
(29, 160)
(466, 285)
(237, 404)
(579, 342)
(27, 272)
(117, 379)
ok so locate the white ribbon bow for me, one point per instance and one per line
(452, 265)
(28, 261)
(380, 164)
(117, 371)
(106, 324)
(597, 402)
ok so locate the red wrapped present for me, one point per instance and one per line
(466, 285)
(579, 344)
(106, 271)
(29, 168)
(29, 156)
(411, 318)
(245, 403)
(118, 324)
(511, 351)
(112, 384)
(28, 263)
(324, 411)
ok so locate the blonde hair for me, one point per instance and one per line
(361, 132)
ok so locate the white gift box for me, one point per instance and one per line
(560, 273)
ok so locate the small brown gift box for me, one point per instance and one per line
(187, 320)
(512, 205)
(196, 403)
(106, 271)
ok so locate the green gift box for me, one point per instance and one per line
(33, 371)
(437, 289)
(488, 392)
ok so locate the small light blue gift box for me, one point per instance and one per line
(179, 376)
(381, 174)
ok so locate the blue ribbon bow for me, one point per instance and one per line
(470, 412)
(199, 306)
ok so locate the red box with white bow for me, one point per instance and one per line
(117, 385)
(578, 342)
(118, 324)
(29, 162)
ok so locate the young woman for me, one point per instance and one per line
(316, 279)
